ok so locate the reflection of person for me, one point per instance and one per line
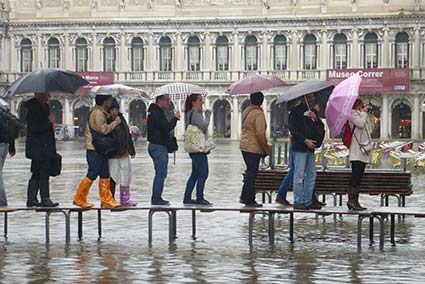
(253, 145)
(97, 162)
(40, 147)
(159, 129)
(307, 131)
(359, 156)
(120, 165)
(199, 175)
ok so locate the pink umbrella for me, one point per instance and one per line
(340, 104)
(254, 83)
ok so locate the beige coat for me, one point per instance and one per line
(97, 120)
(362, 132)
(253, 138)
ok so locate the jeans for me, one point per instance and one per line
(289, 178)
(357, 172)
(199, 176)
(98, 165)
(304, 177)
(4, 148)
(252, 161)
(159, 155)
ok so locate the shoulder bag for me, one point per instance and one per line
(194, 138)
(106, 145)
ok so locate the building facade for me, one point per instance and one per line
(147, 43)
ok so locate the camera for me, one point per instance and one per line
(370, 108)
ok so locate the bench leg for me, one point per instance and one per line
(99, 224)
(250, 227)
(371, 230)
(381, 230)
(47, 227)
(271, 227)
(150, 216)
(359, 231)
(291, 227)
(80, 225)
(172, 216)
(193, 224)
(5, 226)
(392, 229)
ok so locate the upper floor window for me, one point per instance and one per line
(310, 52)
(53, 53)
(251, 53)
(26, 55)
(370, 50)
(280, 53)
(222, 53)
(109, 54)
(165, 55)
(340, 51)
(81, 55)
(402, 50)
(193, 54)
(137, 54)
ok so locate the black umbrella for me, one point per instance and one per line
(47, 80)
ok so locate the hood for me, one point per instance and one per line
(155, 108)
(32, 103)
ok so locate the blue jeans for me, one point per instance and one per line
(252, 162)
(98, 165)
(304, 177)
(289, 178)
(159, 155)
(199, 176)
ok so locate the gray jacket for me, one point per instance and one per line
(199, 120)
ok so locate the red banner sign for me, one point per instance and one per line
(383, 80)
(95, 79)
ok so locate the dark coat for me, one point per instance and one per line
(40, 143)
(302, 127)
(159, 127)
(122, 133)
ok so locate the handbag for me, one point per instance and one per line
(172, 145)
(106, 145)
(194, 138)
(55, 165)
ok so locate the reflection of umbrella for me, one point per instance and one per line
(47, 80)
(302, 89)
(178, 91)
(254, 83)
(340, 103)
(117, 90)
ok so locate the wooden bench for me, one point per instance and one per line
(335, 183)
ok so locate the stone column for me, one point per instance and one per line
(236, 52)
(179, 52)
(122, 58)
(385, 117)
(38, 55)
(267, 114)
(416, 117)
(208, 106)
(416, 48)
(208, 53)
(235, 120)
(67, 53)
(386, 50)
(95, 55)
(294, 61)
(265, 54)
(150, 59)
(14, 55)
(324, 51)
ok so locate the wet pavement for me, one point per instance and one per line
(324, 251)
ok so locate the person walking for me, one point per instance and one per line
(120, 165)
(199, 175)
(40, 147)
(253, 145)
(7, 145)
(97, 162)
(307, 131)
(361, 125)
(159, 138)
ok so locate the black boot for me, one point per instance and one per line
(113, 186)
(32, 193)
(353, 199)
(45, 194)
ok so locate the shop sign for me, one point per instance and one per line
(380, 80)
(95, 79)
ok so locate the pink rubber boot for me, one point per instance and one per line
(125, 197)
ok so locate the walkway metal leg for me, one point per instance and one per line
(250, 227)
(291, 227)
(80, 225)
(99, 224)
(5, 225)
(150, 215)
(194, 224)
(381, 231)
(174, 215)
(47, 227)
(170, 226)
(271, 227)
(392, 229)
(359, 231)
(371, 230)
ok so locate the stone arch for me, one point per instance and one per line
(56, 108)
(222, 113)
(278, 119)
(80, 115)
(401, 119)
(376, 104)
(137, 110)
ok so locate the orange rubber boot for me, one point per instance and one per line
(106, 199)
(80, 198)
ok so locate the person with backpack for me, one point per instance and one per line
(9, 131)
(360, 125)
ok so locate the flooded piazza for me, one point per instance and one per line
(324, 250)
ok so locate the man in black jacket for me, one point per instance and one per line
(307, 131)
(159, 129)
(40, 147)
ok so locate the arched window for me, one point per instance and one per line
(137, 54)
(26, 55)
(401, 122)
(222, 53)
(222, 119)
(310, 52)
(251, 53)
(280, 53)
(57, 110)
(279, 120)
(165, 55)
(402, 50)
(193, 54)
(340, 51)
(81, 54)
(53, 53)
(137, 116)
(109, 54)
(370, 50)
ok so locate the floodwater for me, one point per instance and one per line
(325, 248)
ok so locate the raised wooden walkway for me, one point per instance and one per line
(380, 214)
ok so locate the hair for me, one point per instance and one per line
(256, 98)
(115, 104)
(100, 99)
(158, 98)
(189, 101)
(357, 103)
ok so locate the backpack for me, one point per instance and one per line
(348, 135)
(9, 126)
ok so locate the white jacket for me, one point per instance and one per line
(361, 135)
